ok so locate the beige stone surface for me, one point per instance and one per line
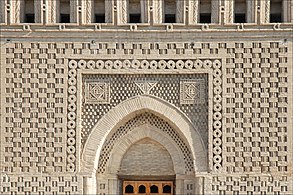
(77, 98)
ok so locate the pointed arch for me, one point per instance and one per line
(138, 134)
(127, 109)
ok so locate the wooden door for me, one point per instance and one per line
(147, 187)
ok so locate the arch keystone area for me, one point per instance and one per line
(129, 108)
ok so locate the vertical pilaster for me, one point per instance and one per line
(145, 14)
(229, 11)
(193, 11)
(38, 10)
(90, 186)
(216, 13)
(252, 13)
(264, 11)
(180, 186)
(288, 11)
(158, 11)
(87, 13)
(74, 11)
(3, 11)
(2, 105)
(113, 186)
(180, 11)
(16, 11)
(109, 11)
(207, 184)
(93, 11)
(52, 13)
(199, 185)
(267, 11)
(57, 11)
(46, 9)
(122, 12)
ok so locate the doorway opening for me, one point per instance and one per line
(148, 188)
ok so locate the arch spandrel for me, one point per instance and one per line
(124, 111)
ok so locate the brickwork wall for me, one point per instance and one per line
(147, 157)
(232, 84)
(250, 131)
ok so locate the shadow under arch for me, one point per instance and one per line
(126, 110)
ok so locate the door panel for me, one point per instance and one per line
(147, 187)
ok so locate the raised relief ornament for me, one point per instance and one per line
(97, 92)
(146, 85)
(192, 91)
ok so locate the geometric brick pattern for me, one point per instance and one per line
(164, 86)
(65, 184)
(244, 115)
(201, 65)
(253, 137)
(212, 66)
(257, 108)
(34, 106)
(145, 118)
(249, 184)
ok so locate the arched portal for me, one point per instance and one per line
(116, 118)
(148, 132)
(146, 158)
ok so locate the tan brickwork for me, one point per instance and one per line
(77, 98)
(146, 157)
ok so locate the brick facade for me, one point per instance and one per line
(213, 100)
